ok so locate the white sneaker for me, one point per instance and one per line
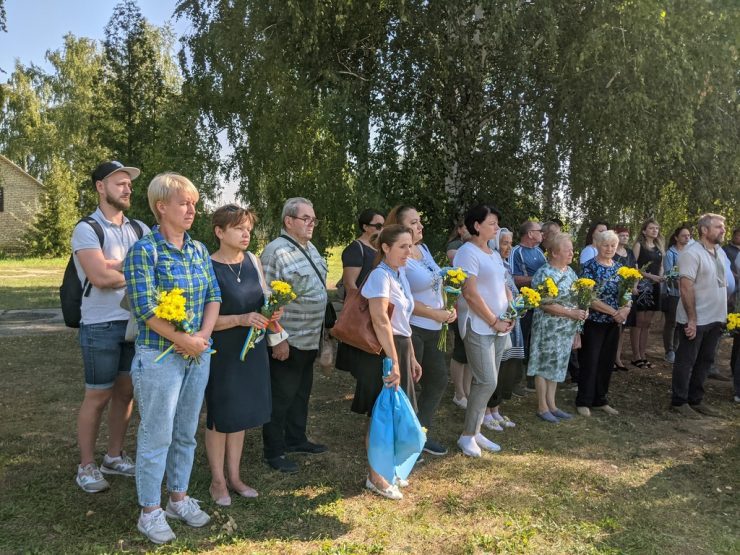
(468, 446)
(503, 420)
(188, 511)
(154, 526)
(401, 483)
(485, 443)
(90, 479)
(123, 465)
(491, 423)
(391, 492)
(462, 403)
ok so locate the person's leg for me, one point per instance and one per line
(456, 372)
(550, 390)
(296, 418)
(285, 376)
(540, 385)
(434, 375)
(481, 359)
(88, 422)
(669, 325)
(182, 449)
(156, 390)
(119, 413)
(618, 358)
(635, 339)
(645, 332)
(216, 451)
(234, 449)
(588, 357)
(605, 363)
(686, 354)
(710, 336)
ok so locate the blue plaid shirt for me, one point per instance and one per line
(153, 265)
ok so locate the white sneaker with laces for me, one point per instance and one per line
(188, 511)
(90, 479)
(123, 465)
(491, 423)
(468, 446)
(485, 443)
(154, 526)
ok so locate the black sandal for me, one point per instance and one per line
(620, 368)
(640, 363)
(647, 364)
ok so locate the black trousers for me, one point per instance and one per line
(694, 358)
(291, 380)
(596, 362)
(433, 373)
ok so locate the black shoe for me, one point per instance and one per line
(283, 464)
(307, 448)
(434, 448)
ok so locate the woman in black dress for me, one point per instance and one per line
(238, 394)
(648, 251)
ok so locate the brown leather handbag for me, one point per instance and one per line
(355, 326)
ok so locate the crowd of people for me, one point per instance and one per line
(132, 350)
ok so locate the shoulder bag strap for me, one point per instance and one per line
(261, 277)
(304, 253)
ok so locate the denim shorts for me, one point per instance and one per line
(105, 353)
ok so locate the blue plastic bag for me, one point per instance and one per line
(396, 438)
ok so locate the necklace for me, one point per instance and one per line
(237, 275)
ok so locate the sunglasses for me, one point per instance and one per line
(376, 226)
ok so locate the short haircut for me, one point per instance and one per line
(388, 236)
(705, 220)
(231, 215)
(526, 227)
(290, 208)
(366, 216)
(604, 236)
(396, 214)
(548, 225)
(556, 241)
(164, 185)
(477, 215)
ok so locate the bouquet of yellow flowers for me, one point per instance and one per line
(282, 294)
(733, 323)
(628, 278)
(171, 307)
(527, 299)
(583, 292)
(548, 291)
(452, 281)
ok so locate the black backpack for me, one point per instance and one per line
(71, 291)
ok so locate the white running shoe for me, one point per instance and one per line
(188, 511)
(485, 443)
(90, 479)
(154, 526)
(123, 465)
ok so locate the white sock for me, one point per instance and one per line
(485, 443)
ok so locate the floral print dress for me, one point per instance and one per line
(552, 336)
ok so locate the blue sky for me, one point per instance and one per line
(36, 26)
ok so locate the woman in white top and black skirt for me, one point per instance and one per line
(387, 284)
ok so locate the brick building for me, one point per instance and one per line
(20, 200)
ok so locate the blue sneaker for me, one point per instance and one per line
(547, 416)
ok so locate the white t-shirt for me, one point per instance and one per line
(104, 305)
(384, 283)
(426, 287)
(490, 272)
(710, 283)
(587, 254)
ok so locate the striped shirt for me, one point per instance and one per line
(153, 265)
(303, 318)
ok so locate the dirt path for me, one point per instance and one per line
(32, 322)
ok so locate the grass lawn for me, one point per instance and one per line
(31, 282)
(643, 482)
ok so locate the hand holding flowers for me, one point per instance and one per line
(453, 280)
(583, 293)
(171, 308)
(270, 313)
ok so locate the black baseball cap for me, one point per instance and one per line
(107, 168)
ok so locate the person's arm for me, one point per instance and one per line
(618, 315)
(349, 277)
(451, 255)
(565, 311)
(101, 272)
(384, 332)
(478, 305)
(686, 286)
(437, 314)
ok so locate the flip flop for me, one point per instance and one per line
(639, 363)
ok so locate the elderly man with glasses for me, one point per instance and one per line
(293, 258)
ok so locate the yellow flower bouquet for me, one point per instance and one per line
(583, 293)
(452, 281)
(628, 278)
(282, 294)
(733, 323)
(171, 307)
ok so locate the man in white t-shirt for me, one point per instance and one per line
(99, 246)
(701, 313)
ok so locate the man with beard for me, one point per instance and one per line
(99, 245)
(701, 313)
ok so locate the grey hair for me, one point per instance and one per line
(557, 240)
(706, 220)
(602, 237)
(290, 208)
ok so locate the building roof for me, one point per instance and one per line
(20, 170)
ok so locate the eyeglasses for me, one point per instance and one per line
(308, 220)
(376, 226)
(537, 230)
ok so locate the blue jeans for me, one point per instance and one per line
(105, 353)
(169, 395)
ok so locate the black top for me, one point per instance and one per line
(238, 395)
(652, 257)
(359, 255)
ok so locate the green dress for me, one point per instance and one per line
(552, 336)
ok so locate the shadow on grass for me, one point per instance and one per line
(39, 296)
